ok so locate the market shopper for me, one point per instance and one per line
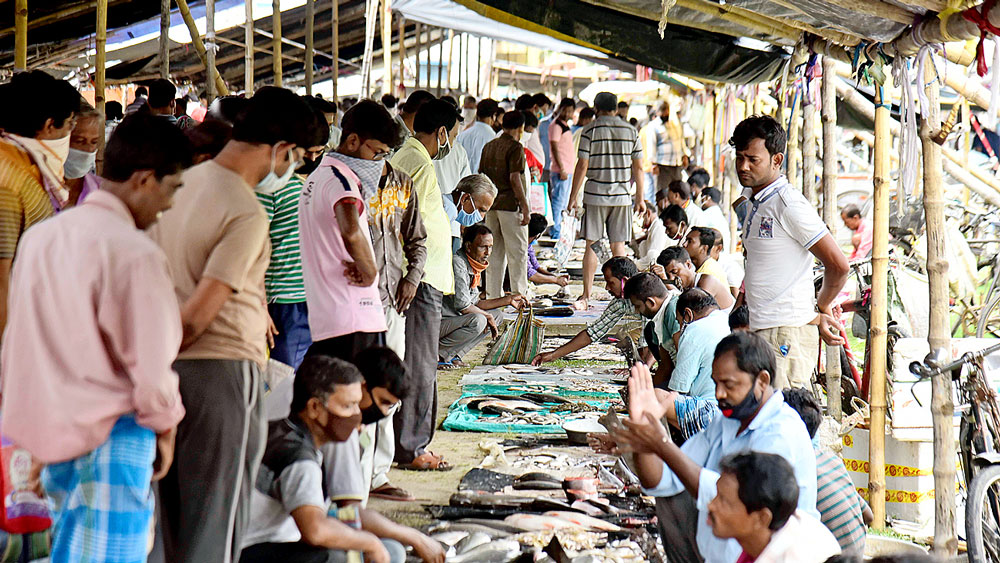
(537, 274)
(617, 271)
(674, 267)
(504, 161)
(562, 159)
(755, 504)
(475, 137)
(652, 242)
(675, 222)
(782, 237)
(699, 244)
(435, 125)
(468, 204)
(454, 165)
(609, 158)
(78, 170)
(755, 417)
(162, 100)
(669, 154)
(216, 240)
(100, 408)
(465, 318)
(861, 229)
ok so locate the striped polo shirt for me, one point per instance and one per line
(283, 280)
(610, 145)
(839, 504)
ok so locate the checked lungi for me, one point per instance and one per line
(103, 499)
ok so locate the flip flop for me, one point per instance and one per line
(389, 492)
(458, 363)
(446, 365)
(427, 461)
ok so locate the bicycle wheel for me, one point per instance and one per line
(982, 516)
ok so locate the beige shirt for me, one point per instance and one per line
(217, 229)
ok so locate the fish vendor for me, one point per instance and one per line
(465, 319)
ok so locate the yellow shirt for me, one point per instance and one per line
(413, 159)
(23, 199)
(711, 267)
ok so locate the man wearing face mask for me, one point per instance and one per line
(33, 150)
(755, 417)
(451, 169)
(79, 167)
(434, 126)
(216, 241)
(289, 337)
(468, 204)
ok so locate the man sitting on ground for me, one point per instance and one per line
(676, 268)
(465, 318)
(652, 242)
(755, 417)
(675, 221)
(841, 508)
(755, 505)
(536, 273)
(699, 244)
(679, 193)
(617, 271)
(713, 216)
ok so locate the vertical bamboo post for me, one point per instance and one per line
(809, 150)
(386, 47)
(210, 70)
(335, 27)
(794, 145)
(101, 41)
(828, 113)
(461, 42)
(310, 42)
(20, 35)
(248, 64)
(466, 39)
(451, 50)
(164, 38)
(479, 66)
(416, 55)
(440, 91)
(942, 404)
(401, 22)
(879, 306)
(708, 138)
(276, 41)
(199, 47)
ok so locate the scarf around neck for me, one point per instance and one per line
(48, 164)
(477, 270)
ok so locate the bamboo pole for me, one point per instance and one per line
(440, 92)
(794, 146)
(466, 40)
(165, 39)
(828, 114)
(776, 27)
(100, 96)
(276, 42)
(199, 47)
(451, 51)
(479, 67)
(879, 307)
(942, 404)
(401, 23)
(310, 42)
(417, 48)
(386, 47)
(21, 34)
(248, 65)
(708, 136)
(335, 27)
(809, 151)
(210, 47)
(961, 54)
(461, 43)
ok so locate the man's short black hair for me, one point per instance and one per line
(541, 99)
(145, 142)
(389, 101)
(435, 114)
(622, 105)
(699, 177)
(450, 99)
(804, 402)
(323, 106)
(226, 109)
(587, 113)
(208, 137)
(141, 91)
(113, 110)
(513, 120)
(681, 188)
(753, 353)
(706, 236)
(537, 224)
(713, 193)
(161, 93)
(620, 267)
(370, 120)
(416, 99)
(320, 129)
(274, 115)
(33, 97)
(318, 377)
(760, 127)
(673, 254)
(381, 367)
(696, 299)
(524, 102)
(567, 103)
(486, 108)
(674, 213)
(739, 319)
(851, 210)
(475, 231)
(765, 481)
(530, 119)
(645, 285)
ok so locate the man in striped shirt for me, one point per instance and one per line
(841, 508)
(288, 333)
(609, 160)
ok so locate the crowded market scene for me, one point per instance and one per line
(577, 281)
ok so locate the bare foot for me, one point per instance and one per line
(581, 304)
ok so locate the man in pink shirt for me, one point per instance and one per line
(861, 240)
(94, 326)
(563, 162)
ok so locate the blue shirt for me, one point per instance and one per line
(695, 351)
(776, 429)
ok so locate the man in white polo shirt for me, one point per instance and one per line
(782, 233)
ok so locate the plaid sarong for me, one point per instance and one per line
(103, 499)
(694, 413)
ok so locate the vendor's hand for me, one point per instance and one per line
(272, 331)
(562, 280)
(375, 552)
(543, 358)
(829, 330)
(659, 271)
(563, 176)
(518, 301)
(428, 549)
(643, 437)
(642, 397)
(491, 325)
(404, 295)
(602, 443)
(164, 453)
(640, 205)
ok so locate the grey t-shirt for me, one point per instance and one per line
(342, 460)
(300, 484)
(452, 305)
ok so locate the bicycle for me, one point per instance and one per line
(979, 447)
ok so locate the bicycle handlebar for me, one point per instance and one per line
(925, 369)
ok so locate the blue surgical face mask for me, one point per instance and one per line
(468, 219)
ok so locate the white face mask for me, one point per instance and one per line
(272, 182)
(78, 163)
(60, 147)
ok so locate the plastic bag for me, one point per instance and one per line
(519, 342)
(22, 511)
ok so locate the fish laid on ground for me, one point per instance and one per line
(469, 528)
(544, 398)
(500, 551)
(472, 541)
(537, 486)
(450, 537)
(493, 500)
(506, 405)
(584, 520)
(535, 523)
(498, 525)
